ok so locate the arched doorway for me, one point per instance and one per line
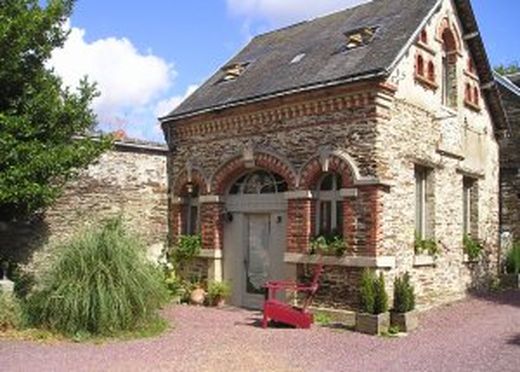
(254, 235)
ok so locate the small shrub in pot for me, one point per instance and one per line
(374, 318)
(218, 292)
(403, 315)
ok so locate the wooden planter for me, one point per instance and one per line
(511, 281)
(406, 322)
(372, 324)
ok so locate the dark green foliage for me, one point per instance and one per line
(513, 259)
(508, 69)
(10, 312)
(38, 118)
(218, 291)
(380, 296)
(100, 283)
(426, 246)
(373, 296)
(472, 247)
(404, 294)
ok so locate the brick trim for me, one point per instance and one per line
(313, 170)
(197, 178)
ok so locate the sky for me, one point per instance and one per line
(147, 56)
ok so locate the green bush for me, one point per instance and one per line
(333, 245)
(513, 259)
(426, 246)
(100, 283)
(218, 291)
(404, 294)
(10, 312)
(373, 296)
(472, 247)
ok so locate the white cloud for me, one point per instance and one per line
(165, 106)
(125, 77)
(278, 12)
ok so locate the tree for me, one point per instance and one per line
(512, 68)
(41, 122)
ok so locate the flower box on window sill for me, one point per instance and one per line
(472, 105)
(424, 81)
(468, 260)
(423, 260)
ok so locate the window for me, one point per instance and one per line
(470, 207)
(471, 66)
(431, 71)
(423, 203)
(449, 69)
(476, 96)
(329, 211)
(420, 65)
(259, 182)
(192, 223)
(232, 72)
(424, 37)
(467, 93)
(359, 37)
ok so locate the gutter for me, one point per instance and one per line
(506, 83)
(352, 79)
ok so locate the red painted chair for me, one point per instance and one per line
(279, 311)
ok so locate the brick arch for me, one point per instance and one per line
(339, 162)
(236, 166)
(448, 34)
(197, 178)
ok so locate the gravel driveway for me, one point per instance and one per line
(478, 334)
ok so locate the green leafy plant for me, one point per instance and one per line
(513, 259)
(404, 294)
(11, 315)
(333, 245)
(218, 291)
(426, 246)
(322, 318)
(99, 283)
(373, 296)
(184, 251)
(472, 247)
(41, 121)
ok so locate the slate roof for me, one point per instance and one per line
(270, 71)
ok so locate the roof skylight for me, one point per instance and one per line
(233, 71)
(359, 37)
(298, 58)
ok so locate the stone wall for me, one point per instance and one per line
(129, 180)
(510, 166)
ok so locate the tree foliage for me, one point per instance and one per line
(39, 119)
(509, 69)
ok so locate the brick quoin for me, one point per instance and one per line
(299, 226)
(313, 171)
(212, 225)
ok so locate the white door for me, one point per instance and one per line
(256, 259)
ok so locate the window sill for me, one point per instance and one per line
(424, 81)
(471, 75)
(214, 254)
(472, 106)
(383, 262)
(423, 260)
(467, 260)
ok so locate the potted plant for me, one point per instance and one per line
(403, 315)
(426, 246)
(512, 267)
(374, 318)
(331, 245)
(218, 292)
(472, 249)
(198, 294)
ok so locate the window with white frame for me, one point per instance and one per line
(422, 202)
(329, 208)
(192, 223)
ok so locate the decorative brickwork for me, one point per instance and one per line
(212, 223)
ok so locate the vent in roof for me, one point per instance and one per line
(232, 72)
(359, 37)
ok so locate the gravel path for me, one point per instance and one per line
(474, 335)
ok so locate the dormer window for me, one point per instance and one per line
(359, 37)
(232, 72)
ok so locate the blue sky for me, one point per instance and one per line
(147, 56)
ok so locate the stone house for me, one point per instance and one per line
(130, 180)
(377, 124)
(510, 160)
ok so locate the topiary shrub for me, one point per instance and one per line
(373, 296)
(99, 283)
(513, 259)
(404, 294)
(381, 297)
(367, 293)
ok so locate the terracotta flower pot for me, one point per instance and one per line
(197, 297)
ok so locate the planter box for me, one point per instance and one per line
(372, 324)
(510, 281)
(406, 322)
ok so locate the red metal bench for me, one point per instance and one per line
(279, 311)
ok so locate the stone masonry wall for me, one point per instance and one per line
(126, 181)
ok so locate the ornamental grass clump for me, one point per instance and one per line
(10, 312)
(100, 283)
(404, 294)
